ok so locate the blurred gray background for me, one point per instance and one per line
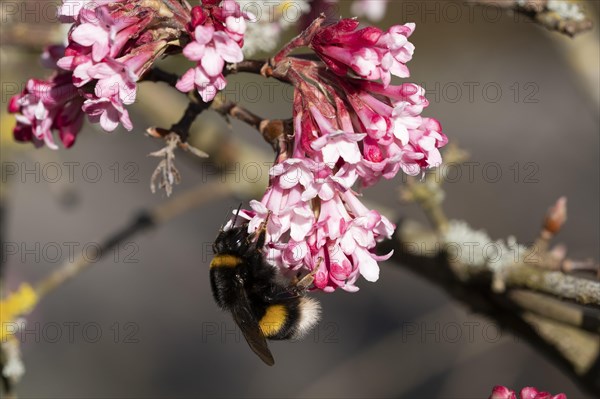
(161, 333)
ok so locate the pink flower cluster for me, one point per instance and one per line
(47, 105)
(217, 30)
(347, 130)
(110, 45)
(369, 52)
(501, 392)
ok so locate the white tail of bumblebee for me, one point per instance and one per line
(310, 313)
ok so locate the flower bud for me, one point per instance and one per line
(198, 17)
(556, 216)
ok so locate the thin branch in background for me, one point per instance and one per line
(566, 17)
(145, 220)
(555, 309)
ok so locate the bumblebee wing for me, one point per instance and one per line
(244, 318)
(287, 295)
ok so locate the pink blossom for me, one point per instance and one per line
(424, 144)
(533, 393)
(111, 45)
(97, 30)
(369, 52)
(113, 80)
(79, 60)
(208, 86)
(336, 145)
(70, 9)
(501, 392)
(346, 129)
(229, 17)
(212, 49)
(294, 171)
(217, 39)
(343, 236)
(108, 111)
(400, 51)
(45, 106)
(326, 183)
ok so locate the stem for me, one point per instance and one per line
(303, 39)
(194, 108)
(275, 132)
(260, 67)
(581, 290)
(158, 75)
(426, 197)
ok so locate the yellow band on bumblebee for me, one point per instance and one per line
(273, 320)
(225, 261)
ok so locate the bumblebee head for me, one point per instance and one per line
(233, 240)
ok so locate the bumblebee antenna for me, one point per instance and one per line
(237, 213)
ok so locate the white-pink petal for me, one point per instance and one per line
(212, 63)
(368, 267)
(194, 51)
(204, 33)
(227, 48)
(186, 82)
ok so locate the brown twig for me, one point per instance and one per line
(158, 75)
(259, 67)
(274, 131)
(195, 107)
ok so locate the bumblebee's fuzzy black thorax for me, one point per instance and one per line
(246, 285)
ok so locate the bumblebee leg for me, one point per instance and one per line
(262, 232)
(299, 285)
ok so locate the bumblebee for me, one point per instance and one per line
(263, 305)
